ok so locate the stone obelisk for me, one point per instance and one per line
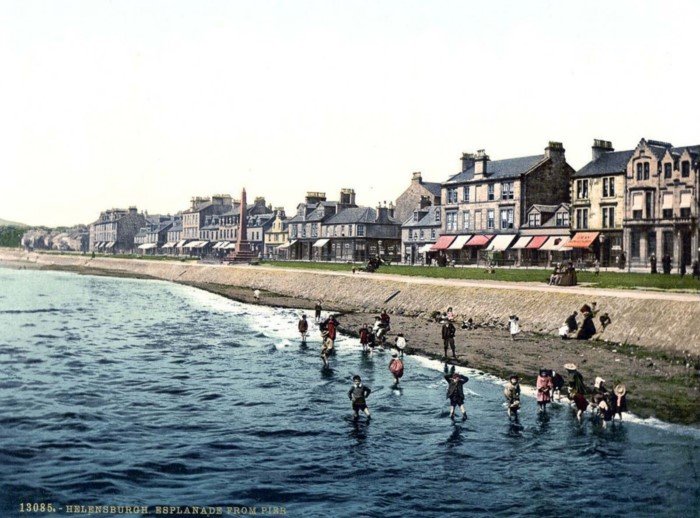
(243, 252)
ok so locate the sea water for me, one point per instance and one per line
(136, 392)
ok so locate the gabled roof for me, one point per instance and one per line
(613, 162)
(433, 187)
(500, 169)
(543, 208)
(428, 220)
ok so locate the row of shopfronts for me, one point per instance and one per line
(338, 249)
(507, 249)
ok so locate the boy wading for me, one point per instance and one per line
(455, 393)
(358, 394)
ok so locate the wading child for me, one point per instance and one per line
(364, 337)
(326, 348)
(455, 393)
(544, 390)
(512, 395)
(400, 344)
(303, 327)
(396, 368)
(358, 394)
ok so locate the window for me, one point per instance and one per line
(303, 230)
(490, 215)
(451, 220)
(415, 215)
(293, 230)
(667, 213)
(685, 169)
(422, 235)
(646, 170)
(533, 219)
(350, 227)
(582, 189)
(490, 192)
(639, 171)
(685, 212)
(608, 217)
(466, 193)
(507, 191)
(314, 230)
(466, 220)
(438, 215)
(609, 187)
(506, 219)
(562, 219)
(668, 169)
(360, 230)
(582, 218)
(452, 195)
(432, 233)
(478, 220)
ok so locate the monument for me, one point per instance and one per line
(243, 252)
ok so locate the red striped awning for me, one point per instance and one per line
(480, 240)
(536, 242)
(582, 240)
(443, 243)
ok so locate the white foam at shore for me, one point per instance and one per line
(282, 324)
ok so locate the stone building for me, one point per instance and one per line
(661, 203)
(415, 195)
(258, 226)
(276, 236)
(420, 232)
(194, 218)
(154, 234)
(598, 204)
(115, 229)
(487, 200)
(543, 237)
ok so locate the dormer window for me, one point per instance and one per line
(533, 219)
(668, 170)
(685, 169)
(415, 215)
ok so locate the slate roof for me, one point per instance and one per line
(543, 208)
(500, 169)
(608, 163)
(428, 220)
(434, 187)
(359, 215)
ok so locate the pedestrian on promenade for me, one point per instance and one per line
(303, 327)
(514, 325)
(358, 394)
(396, 368)
(682, 267)
(512, 394)
(400, 344)
(652, 263)
(455, 392)
(666, 264)
(317, 311)
(696, 269)
(596, 267)
(448, 336)
(544, 390)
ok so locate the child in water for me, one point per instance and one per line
(455, 393)
(326, 348)
(512, 395)
(358, 394)
(396, 368)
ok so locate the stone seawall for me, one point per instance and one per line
(661, 321)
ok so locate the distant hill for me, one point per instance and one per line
(5, 223)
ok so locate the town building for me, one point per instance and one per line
(420, 232)
(258, 226)
(661, 203)
(154, 234)
(543, 237)
(598, 205)
(276, 237)
(305, 226)
(415, 195)
(195, 217)
(114, 230)
(485, 204)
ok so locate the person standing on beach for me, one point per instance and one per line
(358, 394)
(455, 393)
(576, 383)
(448, 336)
(303, 327)
(514, 325)
(544, 390)
(512, 394)
(317, 312)
(256, 294)
(400, 344)
(396, 368)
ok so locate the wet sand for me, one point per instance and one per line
(659, 384)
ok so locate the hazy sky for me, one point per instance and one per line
(115, 103)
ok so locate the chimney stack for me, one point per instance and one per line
(467, 161)
(424, 202)
(480, 160)
(347, 197)
(555, 151)
(417, 177)
(600, 147)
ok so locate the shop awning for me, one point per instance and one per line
(425, 248)
(168, 245)
(192, 244)
(147, 246)
(552, 244)
(537, 242)
(501, 242)
(221, 244)
(181, 244)
(230, 246)
(99, 244)
(582, 239)
(287, 245)
(202, 244)
(320, 243)
(480, 240)
(459, 243)
(564, 245)
(443, 243)
(522, 242)
(110, 244)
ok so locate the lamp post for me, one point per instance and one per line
(601, 239)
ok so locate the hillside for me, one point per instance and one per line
(6, 223)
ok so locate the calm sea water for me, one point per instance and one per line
(132, 392)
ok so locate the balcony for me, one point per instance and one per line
(676, 220)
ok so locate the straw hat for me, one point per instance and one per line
(570, 366)
(598, 382)
(620, 390)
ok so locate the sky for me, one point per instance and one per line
(117, 103)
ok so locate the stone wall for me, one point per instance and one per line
(659, 321)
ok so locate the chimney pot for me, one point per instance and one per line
(600, 147)
(417, 177)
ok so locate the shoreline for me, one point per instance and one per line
(660, 384)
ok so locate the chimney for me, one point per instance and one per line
(555, 151)
(467, 161)
(133, 210)
(347, 197)
(480, 159)
(382, 212)
(391, 209)
(424, 202)
(600, 147)
(260, 200)
(417, 177)
(315, 197)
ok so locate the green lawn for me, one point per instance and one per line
(604, 280)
